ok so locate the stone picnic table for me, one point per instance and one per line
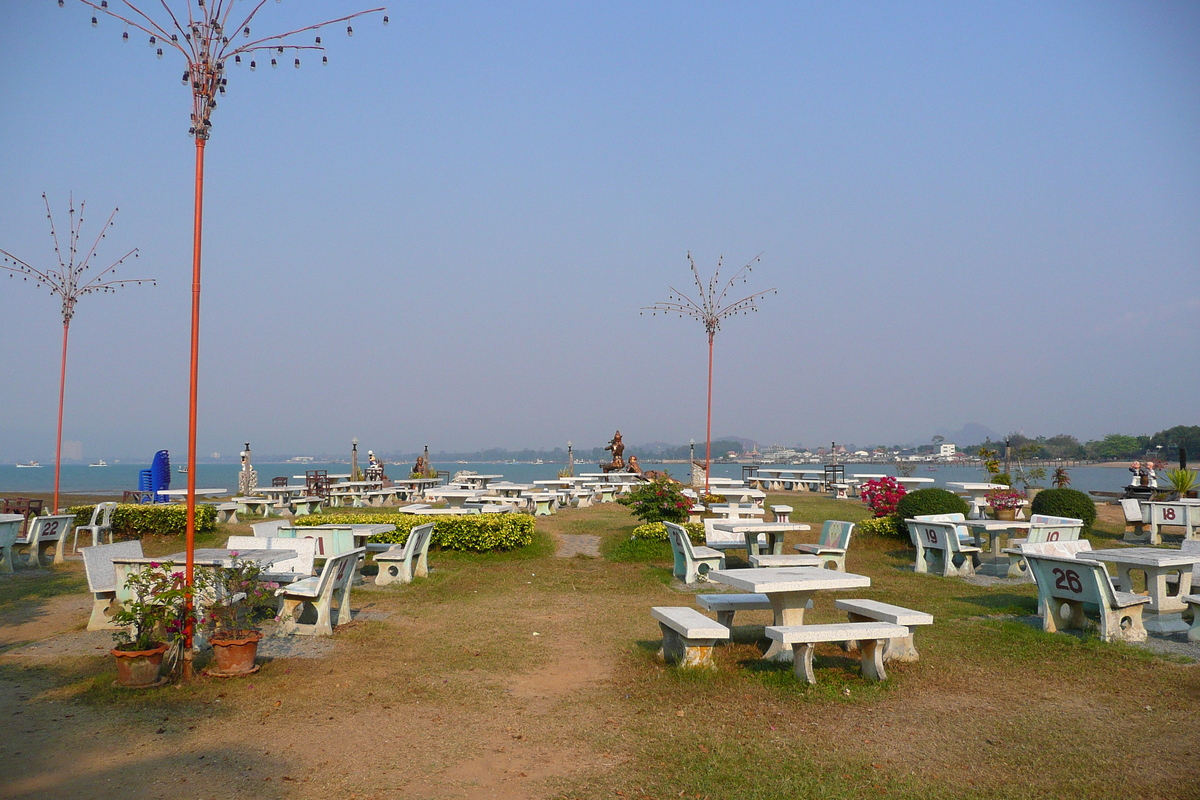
(1156, 563)
(789, 589)
(750, 529)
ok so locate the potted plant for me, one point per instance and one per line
(152, 624)
(234, 598)
(1005, 502)
(1029, 478)
(1183, 482)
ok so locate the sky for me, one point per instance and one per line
(972, 212)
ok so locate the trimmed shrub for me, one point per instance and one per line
(660, 500)
(133, 521)
(657, 532)
(1000, 477)
(480, 533)
(882, 526)
(1065, 503)
(930, 501)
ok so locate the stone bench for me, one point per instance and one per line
(1068, 587)
(303, 506)
(782, 513)
(44, 534)
(102, 579)
(688, 636)
(871, 637)
(691, 563)
(874, 611)
(254, 506)
(226, 512)
(307, 605)
(1193, 603)
(404, 562)
(726, 605)
(783, 560)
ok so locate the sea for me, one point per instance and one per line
(116, 478)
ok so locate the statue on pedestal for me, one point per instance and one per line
(618, 448)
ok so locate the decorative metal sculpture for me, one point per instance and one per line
(70, 283)
(710, 310)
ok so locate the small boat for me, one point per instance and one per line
(183, 470)
(99, 463)
(30, 465)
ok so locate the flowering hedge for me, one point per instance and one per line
(890, 525)
(660, 500)
(657, 531)
(133, 521)
(882, 495)
(480, 533)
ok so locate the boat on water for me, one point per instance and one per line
(100, 462)
(183, 470)
(29, 465)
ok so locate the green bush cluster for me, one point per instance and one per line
(133, 521)
(891, 525)
(479, 533)
(929, 501)
(1065, 503)
(657, 532)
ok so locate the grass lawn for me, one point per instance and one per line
(524, 675)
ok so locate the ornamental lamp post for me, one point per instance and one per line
(207, 40)
(354, 459)
(570, 459)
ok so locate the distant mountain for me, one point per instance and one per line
(970, 434)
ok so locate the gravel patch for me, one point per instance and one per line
(571, 545)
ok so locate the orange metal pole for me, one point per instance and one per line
(195, 373)
(62, 384)
(708, 429)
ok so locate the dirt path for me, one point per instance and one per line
(570, 545)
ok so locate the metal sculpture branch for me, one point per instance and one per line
(207, 39)
(70, 282)
(712, 306)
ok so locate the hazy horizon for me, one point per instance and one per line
(971, 213)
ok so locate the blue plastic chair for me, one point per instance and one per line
(160, 475)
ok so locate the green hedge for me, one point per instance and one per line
(1065, 503)
(657, 532)
(133, 521)
(890, 525)
(480, 533)
(930, 501)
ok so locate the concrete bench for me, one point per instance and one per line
(10, 531)
(44, 534)
(1045, 529)
(254, 506)
(404, 562)
(872, 638)
(1193, 604)
(226, 512)
(308, 605)
(102, 579)
(939, 542)
(1137, 517)
(771, 560)
(726, 605)
(840, 491)
(303, 506)
(688, 636)
(781, 513)
(874, 611)
(1066, 586)
(832, 545)
(692, 562)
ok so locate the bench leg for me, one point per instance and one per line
(726, 618)
(802, 655)
(289, 615)
(1122, 625)
(872, 659)
(685, 652)
(103, 607)
(1056, 620)
(6, 559)
(1193, 633)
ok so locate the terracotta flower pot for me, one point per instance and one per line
(235, 656)
(1006, 513)
(139, 668)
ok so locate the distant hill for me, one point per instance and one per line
(970, 434)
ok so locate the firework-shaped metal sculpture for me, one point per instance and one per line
(713, 306)
(207, 37)
(70, 281)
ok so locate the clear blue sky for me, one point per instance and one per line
(972, 211)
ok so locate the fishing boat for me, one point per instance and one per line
(100, 462)
(183, 470)
(30, 465)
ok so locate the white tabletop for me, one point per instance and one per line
(1146, 556)
(758, 526)
(216, 556)
(330, 476)
(973, 487)
(788, 579)
(199, 492)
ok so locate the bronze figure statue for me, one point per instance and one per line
(617, 447)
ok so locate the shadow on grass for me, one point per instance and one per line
(1002, 602)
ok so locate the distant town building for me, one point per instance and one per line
(946, 450)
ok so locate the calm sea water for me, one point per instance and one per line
(114, 479)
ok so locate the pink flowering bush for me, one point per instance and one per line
(882, 495)
(660, 500)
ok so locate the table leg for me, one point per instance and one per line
(788, 609)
